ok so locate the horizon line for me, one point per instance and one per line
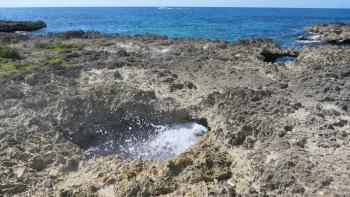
(262, 7)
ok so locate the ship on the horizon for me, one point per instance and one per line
(163, 8)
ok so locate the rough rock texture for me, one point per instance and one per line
(13, 26)
(334, 33)
(276, 129)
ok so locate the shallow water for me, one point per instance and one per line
(283, 25)
(286, 58)
(167, 141)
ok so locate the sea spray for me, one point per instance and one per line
(167, 141)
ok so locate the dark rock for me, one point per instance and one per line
(297, 189)
(37, 164)
(75, 34)
(345, 73)
(327, 181)
(284, 85)
(190, 85)
(331, 111)
(122, 53)
(282, 133)
(176, 86)
(303, 38)
(35, 78)
(288, 128)
(117, 75)
(239, 137)
(73, 165)
(13, 26)
(118, 64)
(72, 34)
(297, 106)
(340, 123)
(146, 95)
(168, 80)
(12, 188)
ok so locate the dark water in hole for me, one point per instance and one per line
(284, 59)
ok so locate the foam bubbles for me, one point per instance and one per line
(167, 141)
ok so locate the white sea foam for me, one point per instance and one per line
(309, 41)
(315, 37)
(167, 141)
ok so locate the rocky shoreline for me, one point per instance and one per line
(275, 128)
(333, 33)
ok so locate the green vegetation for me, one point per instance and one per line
(66, 65)
(56, 46)
(7, 52)
(42, 46)
(27, 66)
(54, 59)
(9, 67)
(58, 59)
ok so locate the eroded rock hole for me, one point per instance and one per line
(137, 135)
(155, 142)
(278, 57)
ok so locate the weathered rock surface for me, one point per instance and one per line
(334, 33)
(276, 129)
(13, 26)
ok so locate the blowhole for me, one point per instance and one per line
(136, 135)
(271, 57)
(153, 142)
(138, 129)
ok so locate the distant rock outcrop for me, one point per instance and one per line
(13, 26)
(334, 33)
